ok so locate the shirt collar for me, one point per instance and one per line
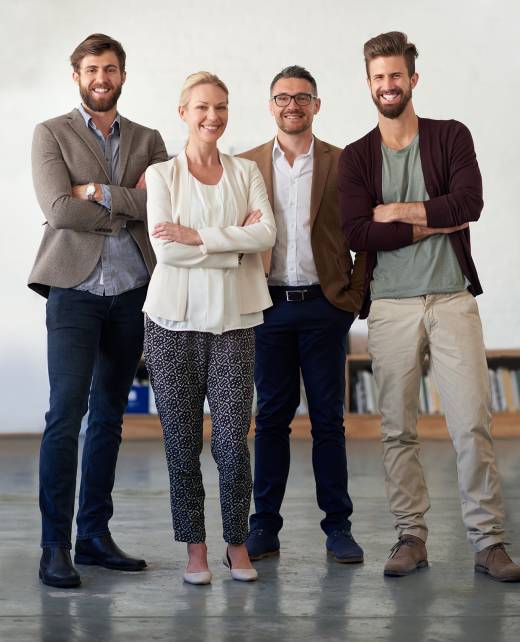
(278, 151)
(88, 118)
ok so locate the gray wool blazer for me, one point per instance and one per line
(65, 154)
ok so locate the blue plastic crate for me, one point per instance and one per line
(138, 399)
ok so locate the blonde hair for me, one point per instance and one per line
(199, 78)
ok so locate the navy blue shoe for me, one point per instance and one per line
(344, 548)
(262, 544)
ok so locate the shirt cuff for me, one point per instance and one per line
(106, 201)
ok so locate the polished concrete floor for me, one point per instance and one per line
(300, 596)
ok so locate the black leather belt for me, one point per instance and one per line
(295, 295)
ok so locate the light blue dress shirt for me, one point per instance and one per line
(121, 266)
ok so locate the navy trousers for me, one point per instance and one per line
(94, 346)
(308, 335)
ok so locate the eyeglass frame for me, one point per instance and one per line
(293, 97)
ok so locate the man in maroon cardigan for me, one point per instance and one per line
(409, 190)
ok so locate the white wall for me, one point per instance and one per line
(469, 66)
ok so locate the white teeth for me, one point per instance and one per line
(101, 90)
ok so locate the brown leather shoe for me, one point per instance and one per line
(495, 562)
(406, 556)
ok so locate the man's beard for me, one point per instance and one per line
(393, 111)
(293, 132)
(99, 103)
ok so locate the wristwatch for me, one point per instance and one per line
(91, 192)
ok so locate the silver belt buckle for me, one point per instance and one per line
(295, 295)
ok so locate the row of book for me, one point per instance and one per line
(505, 390)
(504, 385)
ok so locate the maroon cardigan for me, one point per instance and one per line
(453, 182)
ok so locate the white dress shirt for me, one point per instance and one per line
(292, 261)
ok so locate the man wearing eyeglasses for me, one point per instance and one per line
(316, 293)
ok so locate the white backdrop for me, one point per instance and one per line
(469, 68)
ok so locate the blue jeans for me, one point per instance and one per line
(94, 346)
(311, 336)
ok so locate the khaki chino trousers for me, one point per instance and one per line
(400, 332)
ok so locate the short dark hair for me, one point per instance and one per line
(295, 71)
(95, 45)
(393, 43)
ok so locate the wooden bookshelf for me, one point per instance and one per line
(504, 424)
(149, 427)
(358, 426)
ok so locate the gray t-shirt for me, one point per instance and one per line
(429, 266)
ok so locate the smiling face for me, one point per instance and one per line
(390, 85)
(294, 119)
(100, 80)
(206, 113)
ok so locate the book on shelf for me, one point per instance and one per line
(505, 389)
(423, 397)
(432, 393)
(515, 383)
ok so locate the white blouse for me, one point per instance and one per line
(213, 297)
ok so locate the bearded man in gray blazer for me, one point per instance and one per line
(93, 266)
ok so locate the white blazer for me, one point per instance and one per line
(168, 199)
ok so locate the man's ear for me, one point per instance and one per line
(414, 80)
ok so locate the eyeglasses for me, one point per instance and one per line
(284, 100)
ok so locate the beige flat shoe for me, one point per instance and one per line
(203, 577)
(239, 574)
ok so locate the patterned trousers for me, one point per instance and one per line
(184, 368)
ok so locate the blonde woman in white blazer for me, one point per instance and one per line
(209, 217)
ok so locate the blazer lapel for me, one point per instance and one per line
(320, 172)
(127, 134)
(78, 125)
(264, 160)
(181, 190)
(265, 165)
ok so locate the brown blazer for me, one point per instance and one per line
(64, 154)
(341, 281)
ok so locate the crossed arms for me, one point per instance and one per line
(211, 247)
(65, 206)
(395, 225)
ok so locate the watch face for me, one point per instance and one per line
(91, 189)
